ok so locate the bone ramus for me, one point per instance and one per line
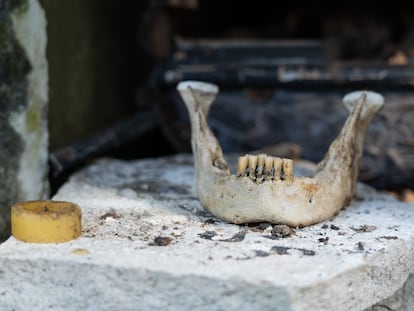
(260, 195)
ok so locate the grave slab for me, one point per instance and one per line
(147, 243)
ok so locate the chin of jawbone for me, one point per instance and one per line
(264, 188)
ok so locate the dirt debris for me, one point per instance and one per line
(207, 235)
(110, 214)
(161, 241)
(324, 240)
(364, 228)
(388, 237)
(238, 237)
(333, 227)
(282, 231)
(360, 246)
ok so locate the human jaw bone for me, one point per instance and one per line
(264, 188)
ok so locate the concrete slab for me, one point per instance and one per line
(147, 243)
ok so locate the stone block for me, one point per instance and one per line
(23, 103)
(148, 244)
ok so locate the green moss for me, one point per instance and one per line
(34, 126)
(20, 7)
(33, 118)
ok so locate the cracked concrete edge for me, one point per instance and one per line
(364, 286)
(401, 300)
(130, 289)
(150, 288)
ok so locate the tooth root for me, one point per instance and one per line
(287, 167)
(252, 167)
(242, 165)
(277, 165)
(261, 167)
(261, 161)
(269, 167)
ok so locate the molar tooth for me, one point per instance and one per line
(242, 165)
(260, 167)
(269, 167)
(277, 164)
(252, 166)
(287, 167)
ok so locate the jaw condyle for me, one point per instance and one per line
(264, 189)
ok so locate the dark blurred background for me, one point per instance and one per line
(283, 68)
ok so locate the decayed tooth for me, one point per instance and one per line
(269, 167)
(260, 167)
(287, 167)
(252, 166)
(242, 165)
(277, 165)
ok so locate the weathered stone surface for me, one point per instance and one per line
(23, 103)
(147, 243)
(403, 299)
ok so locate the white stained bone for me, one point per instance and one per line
(299, 202)
(376, 101)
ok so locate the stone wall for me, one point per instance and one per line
(23, 104)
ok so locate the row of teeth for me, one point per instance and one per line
(260, 168)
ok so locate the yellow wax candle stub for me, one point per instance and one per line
(46, 221)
